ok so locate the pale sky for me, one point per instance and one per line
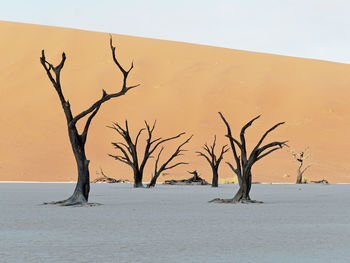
(317, 29)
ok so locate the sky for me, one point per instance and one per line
(318, 29)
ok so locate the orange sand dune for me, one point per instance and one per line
(183, 86)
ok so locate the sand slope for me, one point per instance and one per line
(183, 86)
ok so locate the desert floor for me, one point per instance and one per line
(297, 223)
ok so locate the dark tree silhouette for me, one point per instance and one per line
(244, 163)
(194, 180)
(166, 165)
(105, 179)
(78, 140)
(195, 177)
(128, 152)
(213, 160)
(301, 157)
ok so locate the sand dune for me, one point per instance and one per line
(183, 86)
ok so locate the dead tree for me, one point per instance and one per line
(244, 163)
(301, 157)
(195, 177)
(166, 165)
(323, 181)
(105, 179)
(213, 160)
(78, 139)
(128, 152)
(194, 180)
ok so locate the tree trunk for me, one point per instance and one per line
(243, 192)
(137, 179)
(299, 179)
(244, 187)
(82, 189)
(249, 184)
(238, 196)
(300, 174)
(81, 192)
(153, 181)
(215, 181)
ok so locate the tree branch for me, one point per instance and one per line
(107, 97)
(88, 122)
(138, 135)
(243, 144)
(119, 145)
(175, 154)
(57, 70)
(236, 171)
(205, 156)
(149, 142)
(229, 135)
(117, 128)
(263, 137)
(163, 141)
(267, 153)
(121, 159)
(240, 146)
(157, 161)
(272, 144)
(212, 147)
(223, 151)
(173, 166)
(305, 169)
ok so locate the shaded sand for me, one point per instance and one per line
(183, 86)
(296, 224)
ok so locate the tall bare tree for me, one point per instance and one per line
(158, 170)
(213, 160)
(244, 163)
(300, 157)
(128, 152)
(78, 139)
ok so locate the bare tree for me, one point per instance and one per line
(128, 152)
(244, 163)
(301, 157)
(105, 179)
(78, 139)
(195, 176)
(194, 180)
(213, 160)
(166, 165)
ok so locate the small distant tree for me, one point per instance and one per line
(102, 178)
(213, 160)
(245, 162)
(194, 180)
(78, 139)
(128, 151)
(159, 169)
(301, 157)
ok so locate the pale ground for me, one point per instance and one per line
(297, 223)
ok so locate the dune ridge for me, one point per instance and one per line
(183, 86)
